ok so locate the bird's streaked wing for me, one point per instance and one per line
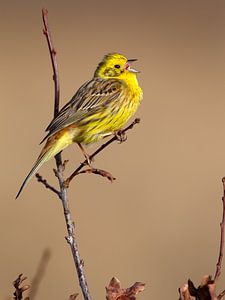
(91, 97)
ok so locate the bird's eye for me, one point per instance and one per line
(117, 66)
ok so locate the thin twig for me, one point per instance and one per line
(220, 258)
(73, 297)
(100, 172)
(100, 149)
(60, 168)
(47, 185)
(52, 51)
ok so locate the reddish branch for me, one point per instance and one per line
(46, 184)
(220, 258)
(100, 172)
(52, 52)
(60, 168)
(100, 149)
(73, 297)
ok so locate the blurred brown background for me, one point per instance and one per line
(159, 222)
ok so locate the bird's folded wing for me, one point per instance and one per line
(92, 97)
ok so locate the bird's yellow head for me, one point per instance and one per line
(115, 65)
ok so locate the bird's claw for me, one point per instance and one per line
(89, 160)
(121, 136)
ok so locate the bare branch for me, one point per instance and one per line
(73, 297)
(52, 52)
(60, 168)
(100, 172)
(220, 258)
(46, 184)
(100, 149)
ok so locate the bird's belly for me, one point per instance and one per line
(104, 123)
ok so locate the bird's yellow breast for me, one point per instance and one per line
(113, 117)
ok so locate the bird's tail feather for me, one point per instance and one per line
(35, 168)
(53, 146)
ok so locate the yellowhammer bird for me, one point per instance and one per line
(99, 108)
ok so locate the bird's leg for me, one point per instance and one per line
(121, 136)
(86, 155)
(105, 135)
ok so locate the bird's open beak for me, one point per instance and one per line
(128, 66)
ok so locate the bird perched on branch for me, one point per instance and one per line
(100, 107)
